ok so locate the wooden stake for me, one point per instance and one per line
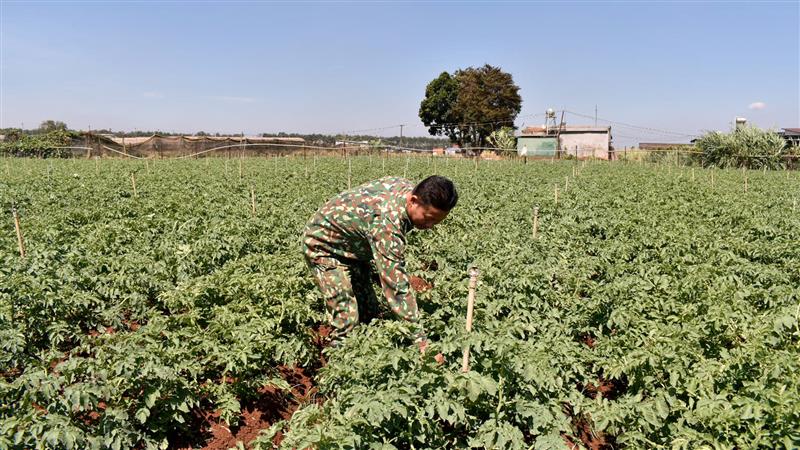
(566, 183)
(745, 182)
(147, 166)
(133, 183)
(349, 172)
(253, 199)
(712, 177)
(473, 283)
(96, 165)
(405, 171)
(556, 195)
(692, 173)
(20, 242)
(240, 168)
(535, 221)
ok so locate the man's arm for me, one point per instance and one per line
(388, 247)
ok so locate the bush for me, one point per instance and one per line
(748, 147)
(38, 146)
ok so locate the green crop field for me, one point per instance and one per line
(657, 307)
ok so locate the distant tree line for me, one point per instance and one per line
(322, 140)
(329, 140)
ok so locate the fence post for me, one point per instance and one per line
(20, 242)
(473, 283)
(253, 199)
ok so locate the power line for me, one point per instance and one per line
(465, 124)
(371, 129)
(638, 127)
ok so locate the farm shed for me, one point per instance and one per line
(574, 140)
(792, 135)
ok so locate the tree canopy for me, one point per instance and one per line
(52, 125)
(470, 104)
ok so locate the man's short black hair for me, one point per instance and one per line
(438, 192)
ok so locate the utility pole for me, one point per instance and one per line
(595, 115)
(401, 134)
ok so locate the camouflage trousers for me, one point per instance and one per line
(347, 292)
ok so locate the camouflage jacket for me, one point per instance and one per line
(368, 223)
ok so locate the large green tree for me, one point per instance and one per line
(52, 125)
(470, 104)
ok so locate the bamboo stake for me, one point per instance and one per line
(133, 182)
(473, 283)
(96, 165)
(712, 177)
(535, 221)
(349, 172)
(240, 168)
(147, 166)
(405, 171)
(745, 182)
(20, 242)
(566, 183)
(476, 163)
(556, 195)
(692, 173)
(253, 199)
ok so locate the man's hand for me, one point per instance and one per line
(423, 345)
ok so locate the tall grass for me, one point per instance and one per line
(748, 147)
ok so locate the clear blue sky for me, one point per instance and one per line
(335, 67)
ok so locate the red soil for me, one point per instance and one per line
(583, 424)
(420, 285)
(610, 389)
(588, 340)
(132, 324)
(589, 438)
(269, 406)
